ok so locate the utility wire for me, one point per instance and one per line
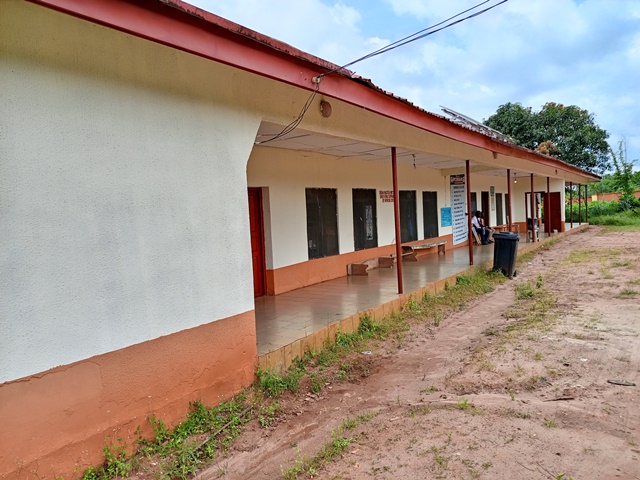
(293, 125)
(419, 35)
(398, 43)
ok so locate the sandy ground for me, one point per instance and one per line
(484, 395)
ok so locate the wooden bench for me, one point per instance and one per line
(410, 252)
(515, 228)
(363, 267)
(388, 261)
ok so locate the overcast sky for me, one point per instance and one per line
(574, 52)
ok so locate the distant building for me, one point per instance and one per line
(611, 196)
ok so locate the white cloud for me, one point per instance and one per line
(345, 16)
(310, 25)
(429, 9)
(375, 43)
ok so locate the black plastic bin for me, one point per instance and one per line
(505, 247)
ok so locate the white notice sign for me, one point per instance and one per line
(459, 208)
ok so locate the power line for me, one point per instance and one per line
(392, 46)
(293, 125)
(418, 35)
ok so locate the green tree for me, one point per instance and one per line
(516, 121)
(623, 178)
(568, 133)
(606, 185)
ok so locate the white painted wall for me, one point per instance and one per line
(523, 186)
(288, 173)
(124, 210)
(285, 174)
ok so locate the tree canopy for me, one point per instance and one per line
(568, 133)
(623, 178)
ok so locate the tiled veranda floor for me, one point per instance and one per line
(286, 318)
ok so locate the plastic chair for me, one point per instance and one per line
(529, 229)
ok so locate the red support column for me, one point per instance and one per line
(526, 210)
(547, 223)
(396, 215)
(469, 212)
(533, 213)
(510, 222)
(571, 203)
(579, 204)
(586, 204)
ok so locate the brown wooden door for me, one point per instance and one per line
(553, 211)
(485, 208)
(257, 241)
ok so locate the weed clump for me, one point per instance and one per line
(456, 297)
(182, 450)
(274, 384)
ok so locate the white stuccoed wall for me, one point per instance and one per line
(123, 210)
(287, 174)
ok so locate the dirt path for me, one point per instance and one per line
(508, 388)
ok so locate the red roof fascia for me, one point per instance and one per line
(190, 29)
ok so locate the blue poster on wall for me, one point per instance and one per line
(445, 214)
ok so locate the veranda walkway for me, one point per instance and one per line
(291, 323)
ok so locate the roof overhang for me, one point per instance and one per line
(303, 140)
(187, 28)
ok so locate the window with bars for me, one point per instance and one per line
(365, 229)
(430, 214)
(408, 216)
(322, 222)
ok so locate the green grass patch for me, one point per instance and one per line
(526, 257)
(331, 450)
(627, 293)
(581, 256)
(456, 297)
(274, 384)
(606, 256)
(465, 406)
(532, 310)
(629, 220)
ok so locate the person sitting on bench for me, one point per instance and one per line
(478, 224)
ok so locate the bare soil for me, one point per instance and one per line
(486, 394)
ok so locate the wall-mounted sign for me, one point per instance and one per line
(386, 196)
(458, 208)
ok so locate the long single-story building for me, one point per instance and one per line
(157, 174)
